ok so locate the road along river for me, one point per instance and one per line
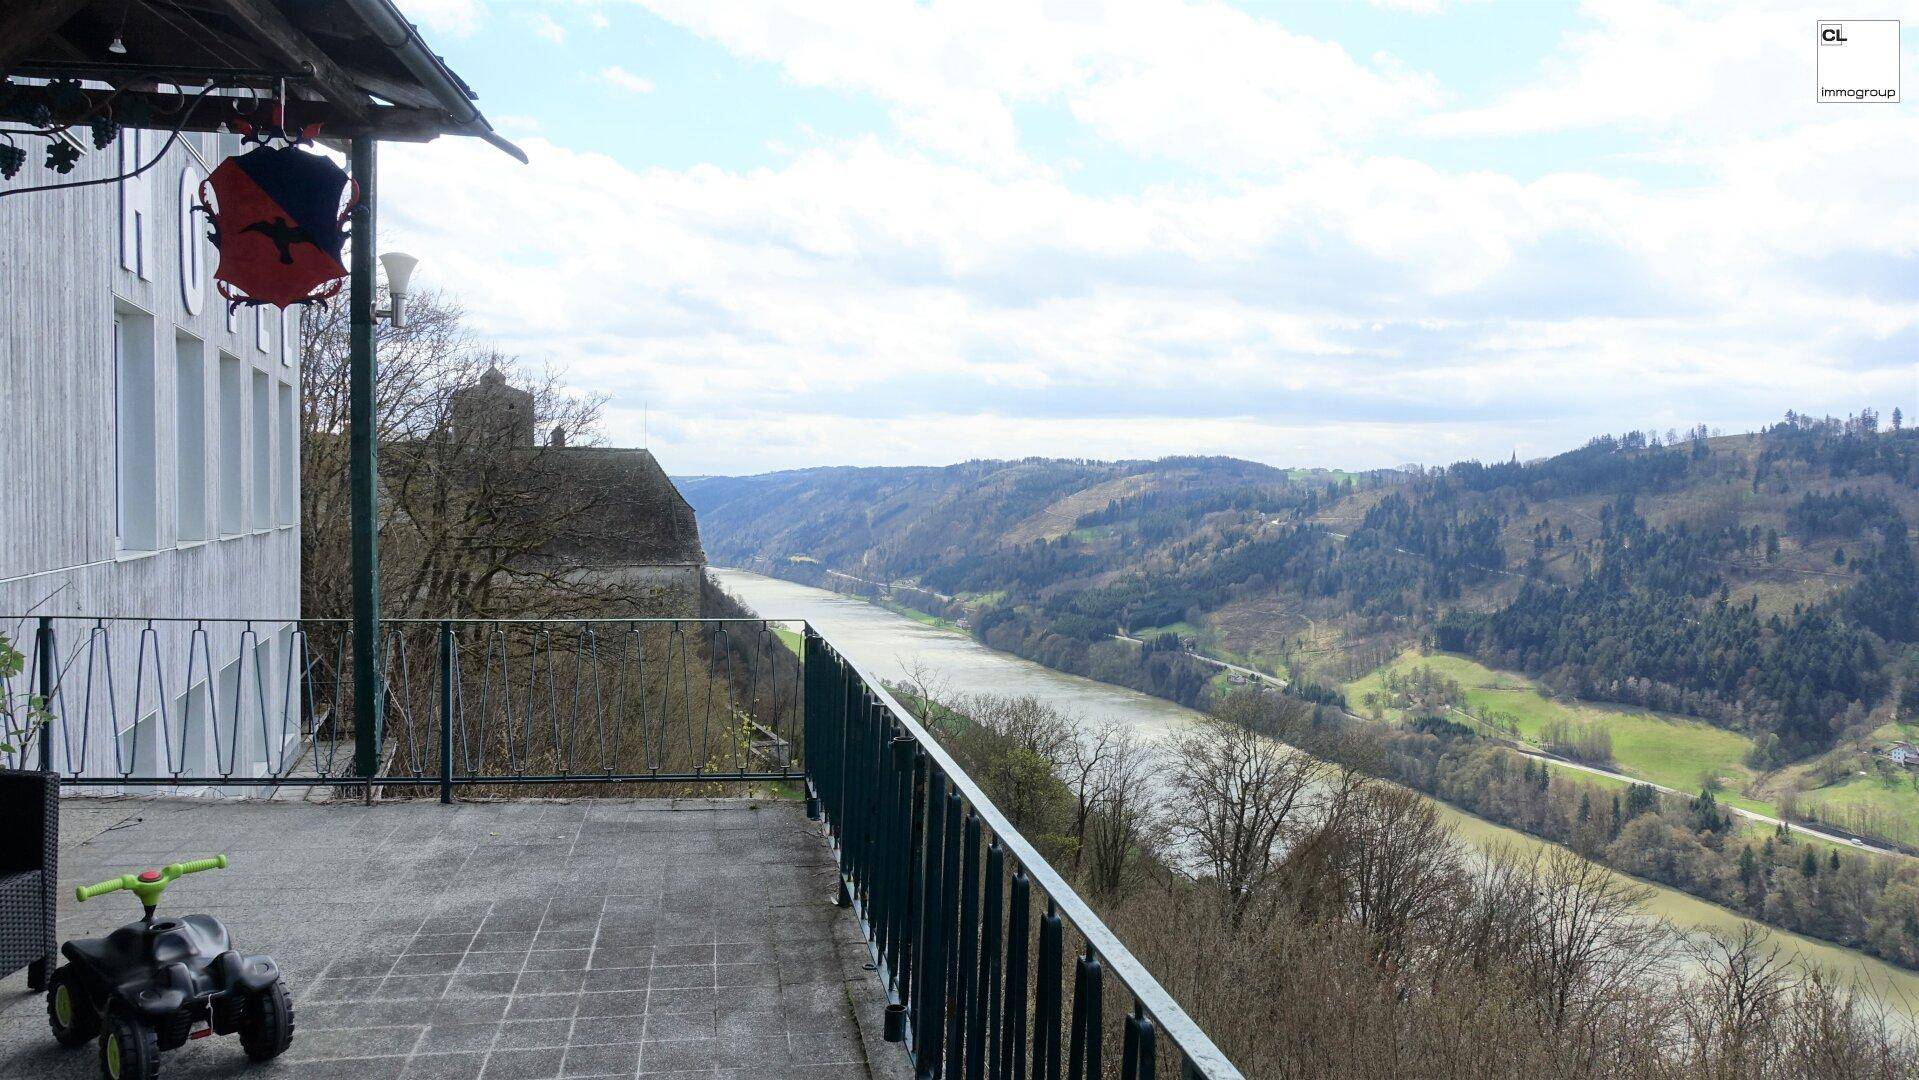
(890, 645)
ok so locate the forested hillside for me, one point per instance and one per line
(1763, 582)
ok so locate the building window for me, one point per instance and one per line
(190, 437)
(133, 431)
(136, 207)
(261, 337)
(289, 336)
(232, 498)
(289, 434)
(193, 265)
(262, 516)
(233, 320)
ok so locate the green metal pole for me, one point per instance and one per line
(363, 472)
(446, 711)
(43, 644)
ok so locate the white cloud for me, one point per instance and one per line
(455, 17)
(1698, 70)
(1203, 83)
(621, 79)
(859, 282)
(927, 294)
(547, 27)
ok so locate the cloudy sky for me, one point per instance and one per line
(781, 234)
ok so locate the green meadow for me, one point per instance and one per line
(1675, 751)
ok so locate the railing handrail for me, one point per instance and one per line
(236, 702)
(1185, 1032)
(409, 621)
(1202, 1057)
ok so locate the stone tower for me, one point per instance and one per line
(492, 411)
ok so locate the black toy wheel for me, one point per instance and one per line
(266, 1022)
(69, 1011)
(128, 1049)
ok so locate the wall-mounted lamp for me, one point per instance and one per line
(399, 270)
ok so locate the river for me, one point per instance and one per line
(890, 645)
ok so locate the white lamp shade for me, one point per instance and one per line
(399, 271)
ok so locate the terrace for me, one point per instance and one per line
(508, 940)
(823, 893)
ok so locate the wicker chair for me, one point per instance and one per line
(29, 873)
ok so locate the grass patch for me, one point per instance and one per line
(1185, 630)
(1669, 750)
(919, 616)
(791, 639)
(1880, 803)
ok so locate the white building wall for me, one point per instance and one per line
(111, 509)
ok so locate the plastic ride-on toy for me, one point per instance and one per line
(150, 986)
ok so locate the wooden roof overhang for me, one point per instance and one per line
(355, 66)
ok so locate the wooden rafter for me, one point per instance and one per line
(265, 22)
(27, 25)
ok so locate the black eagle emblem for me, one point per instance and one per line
(283, 236)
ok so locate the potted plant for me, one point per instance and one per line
(30, 804)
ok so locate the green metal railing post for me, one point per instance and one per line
(446, 711)
(813, 706)
(363, 471)
(44, 644)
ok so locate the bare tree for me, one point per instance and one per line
(1396, 864)
(1592, 944)
(1734, 1010)
(1240, 795)
(1120, 819)
(925, 688)
(466, 522)
(1082, 766)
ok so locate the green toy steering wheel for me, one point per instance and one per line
(149, 884)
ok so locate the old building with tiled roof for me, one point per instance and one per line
(635, 528)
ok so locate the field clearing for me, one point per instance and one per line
(1058, 518)
(984, 599)
(1673, 751)
(1897, 987)
(1878, 803)
(1185, 630)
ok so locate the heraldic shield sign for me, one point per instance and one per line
(278, 217)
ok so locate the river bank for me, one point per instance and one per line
(893, 646)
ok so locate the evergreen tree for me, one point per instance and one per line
(1640, 799)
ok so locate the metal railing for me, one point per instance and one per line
(969, 927)
(967, 923)
(238, 704)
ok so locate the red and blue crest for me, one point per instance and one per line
(278, 217)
